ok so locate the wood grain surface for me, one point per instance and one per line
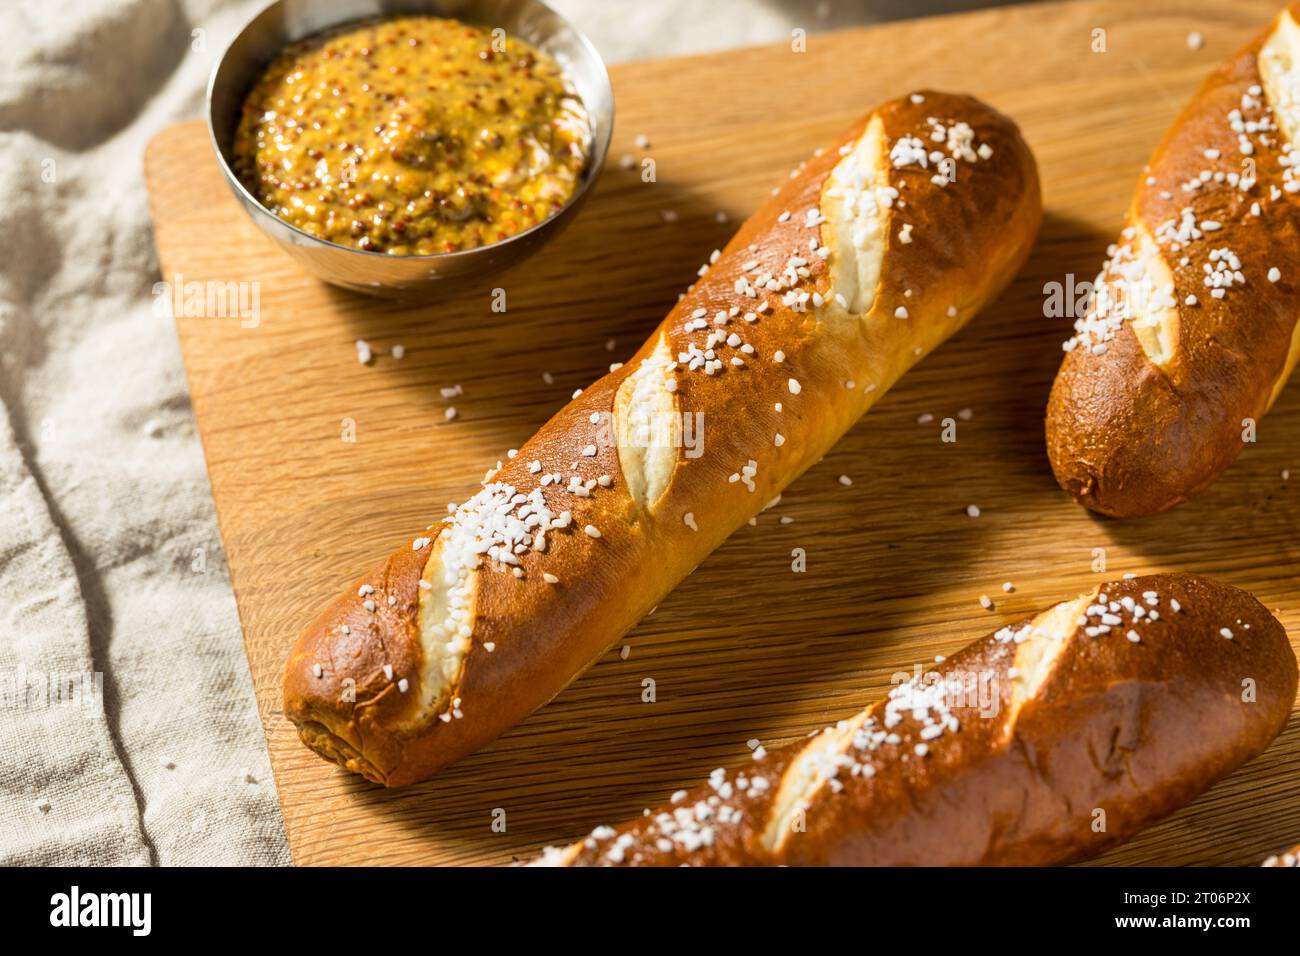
(745, 648)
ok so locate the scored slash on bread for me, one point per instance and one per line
(1193, 331)
(1044, 743)
(870, 255)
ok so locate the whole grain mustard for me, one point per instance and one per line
(412, 136)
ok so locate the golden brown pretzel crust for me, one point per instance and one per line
(1129, 438)
(1287, 858)
(967, 240)
(1132, 729)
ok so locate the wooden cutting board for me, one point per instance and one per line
(745, 648)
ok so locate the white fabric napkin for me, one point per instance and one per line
(110, 561)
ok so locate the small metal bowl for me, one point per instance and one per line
(378, 273)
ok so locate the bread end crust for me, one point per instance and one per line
(342, 681)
